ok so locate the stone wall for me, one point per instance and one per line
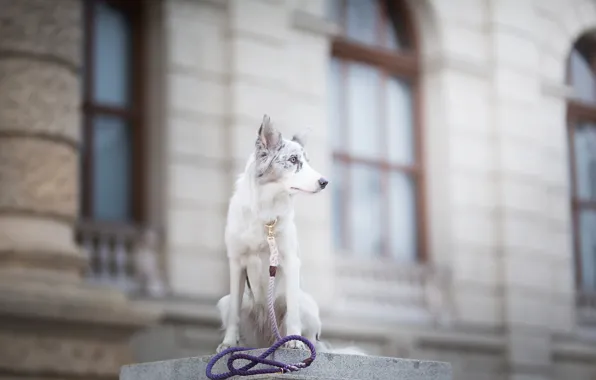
(197, 159)
(228, 64)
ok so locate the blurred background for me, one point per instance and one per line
(459, 138)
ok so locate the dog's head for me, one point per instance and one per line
(285, 162)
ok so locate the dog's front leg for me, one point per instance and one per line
(293, 322)
(237, 283)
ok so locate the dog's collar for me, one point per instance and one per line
(271, 227)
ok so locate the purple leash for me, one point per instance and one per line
(275, 366)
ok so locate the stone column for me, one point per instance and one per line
(528, 185)
(51, 323)
(40, 59)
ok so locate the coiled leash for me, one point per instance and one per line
(275, 366)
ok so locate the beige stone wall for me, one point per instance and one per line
(228, 64)
(197, 156)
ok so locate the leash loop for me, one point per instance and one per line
(236, 352)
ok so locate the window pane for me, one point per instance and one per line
(340, 185)
(363, 110)
(335, 98)
(365, 210)
(400, 126)
(588, 249)
(402, 216)
(582, 78)
(111, 169)
(362, 21)
(111, 52)
(585, 161)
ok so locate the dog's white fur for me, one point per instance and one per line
(244, 312)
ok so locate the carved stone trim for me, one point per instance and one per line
(12, 211)
(50, 354)
(310, 23)
(556, 90)
(15, 134)
(76, 306)
(442, 62)
(48, 260)
(46, 58)
(464, 341)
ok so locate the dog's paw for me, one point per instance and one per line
(224, 346)
(295, 345)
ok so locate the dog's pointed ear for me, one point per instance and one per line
(302, 136)
(269, 137)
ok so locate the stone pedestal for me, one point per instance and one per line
(326, 366)
(52, 324)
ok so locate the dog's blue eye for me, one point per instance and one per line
(293, 159)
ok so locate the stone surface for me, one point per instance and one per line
(44, 28)
(38, 176)
(37, 98)
(326, 366)
(27, 233)
(30, 242)
(33, 351)
(52, 330)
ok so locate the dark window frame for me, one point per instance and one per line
(579, 111)
(133, 114)
(403, 63)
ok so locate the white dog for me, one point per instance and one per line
(276, 171)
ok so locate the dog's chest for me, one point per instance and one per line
(257, 253)
(255, 240)
(262, 250)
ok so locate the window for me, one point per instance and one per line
(112, 112)
(374, 91)
(582, 147)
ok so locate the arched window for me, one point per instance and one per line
(581, 117)
(375, 124)
(112, 112)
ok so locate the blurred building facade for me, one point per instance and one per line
(459, 137)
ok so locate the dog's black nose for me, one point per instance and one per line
(323, 182)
